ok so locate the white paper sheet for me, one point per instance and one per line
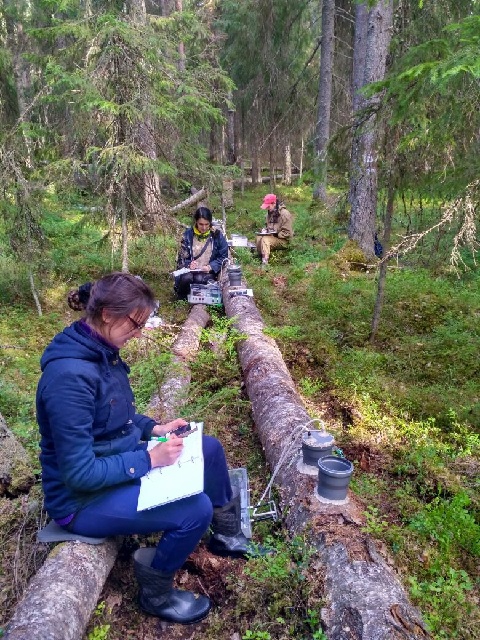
(180, 480)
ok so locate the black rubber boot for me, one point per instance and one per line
(158, 597)
(227, 537)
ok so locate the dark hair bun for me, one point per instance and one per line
(78, 298)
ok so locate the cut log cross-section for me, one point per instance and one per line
(365, 599)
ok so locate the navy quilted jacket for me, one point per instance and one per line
(91, 436)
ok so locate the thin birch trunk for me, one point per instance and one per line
(288, 165)
(34, 293)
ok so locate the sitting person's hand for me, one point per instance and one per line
(162, 429)
(194, 265)
(166, 453)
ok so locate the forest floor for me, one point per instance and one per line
(404, 410)
(224, 580)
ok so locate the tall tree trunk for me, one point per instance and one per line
(181, 45)
(18, 44)
(137, 11)
(242, 179)
(212, 155)
(322, 128)
(271, 163)
(382, 276)
(144, 139)
(231, 155)
(123, 208)
(256, 169)
(359, 51)
(301, 159)
(363, 172)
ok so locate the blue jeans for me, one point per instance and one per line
(183, 522)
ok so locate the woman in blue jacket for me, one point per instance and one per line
(202, 249)
(94, 451)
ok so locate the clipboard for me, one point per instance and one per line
(180, 480)
(183, 270)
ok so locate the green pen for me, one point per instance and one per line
(159, 439)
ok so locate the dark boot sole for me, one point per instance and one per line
(167, 619)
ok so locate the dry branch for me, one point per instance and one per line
(365, 599)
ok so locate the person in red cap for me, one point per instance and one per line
(278, 227)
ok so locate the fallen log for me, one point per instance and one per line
(62, 595)
(16, 476)
(365, 599)
(264, 179)
(189, 202)
(60, 598)
(171, 396)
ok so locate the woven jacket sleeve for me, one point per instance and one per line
(219, 253)
(145, 424)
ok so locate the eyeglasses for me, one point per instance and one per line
(137, 325)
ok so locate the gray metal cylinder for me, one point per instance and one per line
(316, 445)
(234, 276)
(334, 477)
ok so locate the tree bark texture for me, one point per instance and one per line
(363, 182)
(231, 153)
(62, 595)
(365, 600)
(165, 405)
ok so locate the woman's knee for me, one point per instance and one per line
(201, 510)
(212, 449)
